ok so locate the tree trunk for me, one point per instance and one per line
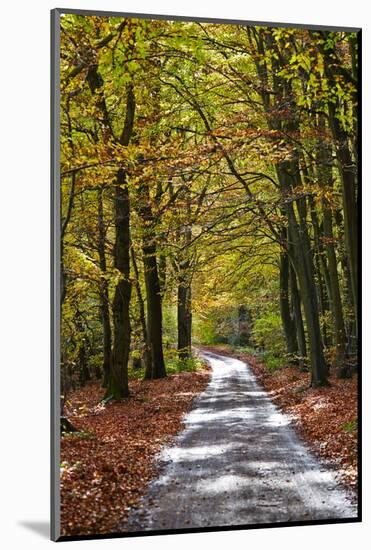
(298, 318)
(152, 284)
(154, 311)
(288, 322)
(107, 332)
(162, 271)
(323, 283)
(289, 178)
(321, 270)
(83, 365)
(184, 320)
(66, 426)
(118, 386)
(104, 295)
(184, 287)
(347, 167)
(142, 317)
(84, 373)
(346, 170)
(303, 264)
(335, 297)
(302, 260)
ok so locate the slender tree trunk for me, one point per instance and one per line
(154, 311)
(323, 303)
(335, 297)
(184, 320)
(66, 220)
(298, 318)
(288, 322)
(324, 160)
(346, 169)
(185, 288)
(142, 317)
(107, 332)
(351, 329)
(152, 284)
(84, 373)
(308, 291)
(162, 271)
(104, 294)
(83, 366)
(321, 271)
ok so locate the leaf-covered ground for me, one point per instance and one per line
(325, 417)
(107, 465)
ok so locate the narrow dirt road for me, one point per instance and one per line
(238, 461)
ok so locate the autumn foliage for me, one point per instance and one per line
(209, 195)
(106, 466)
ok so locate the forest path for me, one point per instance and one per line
(238, 461)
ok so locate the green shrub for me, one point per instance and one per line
(273, 362)
(172, 362)
(175, 365)
(350, 426)
(268, 334)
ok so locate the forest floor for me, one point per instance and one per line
(238, 461)
(326, 418)
(106, 466)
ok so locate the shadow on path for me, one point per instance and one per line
(238, 462)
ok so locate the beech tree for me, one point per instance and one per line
(206, 168)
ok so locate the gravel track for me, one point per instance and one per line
(238, 461)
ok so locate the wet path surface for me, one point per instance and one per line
(238, 462)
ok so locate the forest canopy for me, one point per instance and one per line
(209, 195)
